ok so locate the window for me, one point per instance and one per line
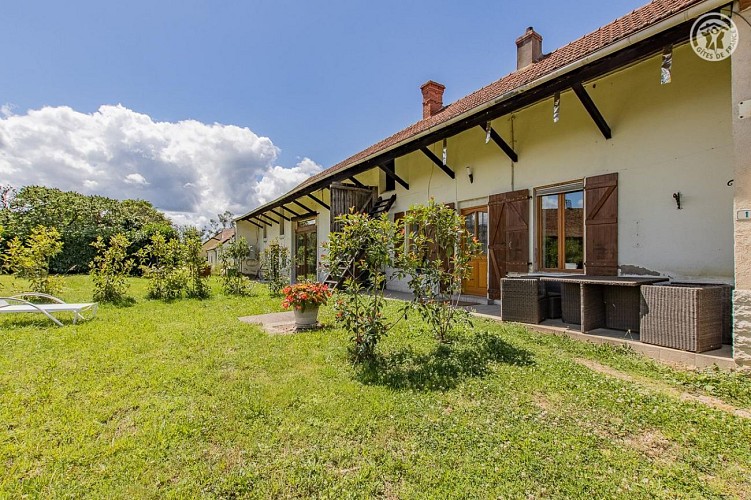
(281, 228)
(265, 232)
(560, 226)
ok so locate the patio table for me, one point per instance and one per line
(602, 301)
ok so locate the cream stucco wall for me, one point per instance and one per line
(666, 139)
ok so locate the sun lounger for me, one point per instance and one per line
(19, 304)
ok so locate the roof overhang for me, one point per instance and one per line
(637, 47)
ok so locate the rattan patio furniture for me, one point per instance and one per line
(683, 316)
(522, 300)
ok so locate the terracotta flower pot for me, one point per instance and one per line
(307, 318)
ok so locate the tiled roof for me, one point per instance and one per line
(623, 27)
(219, 238)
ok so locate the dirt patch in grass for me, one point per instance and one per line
(710, 401)
(651, 443)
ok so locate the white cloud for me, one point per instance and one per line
(135, 179)
(189, 169)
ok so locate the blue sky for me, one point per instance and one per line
(320, 80)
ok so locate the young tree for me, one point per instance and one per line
(436, 259)
(275, 264)
(365, 246)
(32, 259)
(110, 269)
(198, 286)
(232, 255)
(163, 264)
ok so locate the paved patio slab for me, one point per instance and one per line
(279, 323)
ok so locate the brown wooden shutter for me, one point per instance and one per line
(508, 241)
(601, 225)
(517, 232)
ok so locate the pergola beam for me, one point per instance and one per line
(319, 201)
(280, 215)
(258, 218)
(591, 108)
(308, 211)
(269, 218)
(438, 162)
(291, 211)
(257, 225)
(502, 144)
(390, 170)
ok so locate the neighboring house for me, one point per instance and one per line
(587, 130)
(213, 246)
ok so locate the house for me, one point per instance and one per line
(622, 153)
(213, 246)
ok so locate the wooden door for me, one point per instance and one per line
(476, 223)
(508, 242)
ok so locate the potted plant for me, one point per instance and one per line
(305, 298)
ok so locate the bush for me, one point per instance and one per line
(231, 256)
(110, 269)
(368, 245)
(165, 268)
(31, 260)
(198, 285)
(436, 259)
(275, 264)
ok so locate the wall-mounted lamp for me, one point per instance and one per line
(677, 198)
(470, 174)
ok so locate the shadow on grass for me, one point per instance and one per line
(445, 366)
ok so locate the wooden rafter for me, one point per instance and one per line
(280, 215)
(501, 143)
(591, 108)
(390, 170)
(438, 162)
(319, 201)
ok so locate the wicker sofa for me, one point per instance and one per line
(523, 300)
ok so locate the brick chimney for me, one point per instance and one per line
(528, 48)
(432, 98)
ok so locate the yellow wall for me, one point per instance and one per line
(666, 138)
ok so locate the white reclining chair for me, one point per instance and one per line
(19, 304)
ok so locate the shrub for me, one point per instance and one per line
(435, 259)
(198, 285)
(365, 246)
(31, 261)
(275, 264)
(231, 256)
(110, 269)
(168, 278)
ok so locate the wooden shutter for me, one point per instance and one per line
(508, 241)
(517, 232)
(601, 225)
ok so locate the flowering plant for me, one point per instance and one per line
(302, 295)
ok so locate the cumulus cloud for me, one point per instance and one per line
(190, 170)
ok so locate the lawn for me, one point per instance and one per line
(182, 400)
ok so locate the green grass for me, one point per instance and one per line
(182, 400)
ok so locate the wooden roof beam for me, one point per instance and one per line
(257, 225)
(501, 143)
(438, 162)
(589, 105)
(295, 214)
(308, 211)
(319, 201)
(280, 215)
(390, 169)
(269, 218)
